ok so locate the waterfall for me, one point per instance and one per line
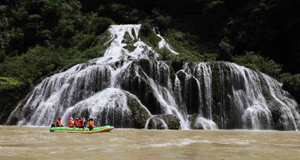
(156, 123)
(204, 123)
(131, 89)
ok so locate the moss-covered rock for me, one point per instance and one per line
(129, 41)
(139, 114)
(126, 38)
(193, 120)
(181, 76)
(130, 48)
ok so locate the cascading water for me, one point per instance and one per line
(130, 89)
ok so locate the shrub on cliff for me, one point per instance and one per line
(291, 83)
(258, 63)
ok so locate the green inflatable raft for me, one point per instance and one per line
(80, 130)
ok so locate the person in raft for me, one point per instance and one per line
(58, 123)
(71, 122)
(81, 123)
(91, 124)
(75, 122)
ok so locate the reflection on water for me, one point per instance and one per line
(38, 143)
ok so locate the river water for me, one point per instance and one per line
(38, 143)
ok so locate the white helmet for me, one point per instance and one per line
(71, 118)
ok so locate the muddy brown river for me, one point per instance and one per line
(131, 144)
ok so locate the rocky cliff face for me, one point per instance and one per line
(130, 89)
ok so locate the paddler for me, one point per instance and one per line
(75, 122)
(58, 122)
(81, 123)
(91, 124)
(71, 122)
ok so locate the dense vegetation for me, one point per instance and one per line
(42, 37)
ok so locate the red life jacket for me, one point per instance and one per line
(70, 123)
(75, 123)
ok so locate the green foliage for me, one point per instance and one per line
(130, 48)
(257, 62)
(165, 54)
(292, 80)
(2, 8)
(11, 91)
(65, 27)
(163, 21)
(146, 28)
(83, 41)
(38, 62)
(8, 83)
(41, 61)
(2, 55)
(153, 39)
(103, 38)
(93, 52)
(291, 83)
(226, 46)
(16, 33)
(191, 57)
(127, 39)
(253, 27)
(189, 51)
(121, 12)
(147, 35)
(96, 24)
(212, 4)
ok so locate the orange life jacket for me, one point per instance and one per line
(70, 123)
(90, 124)
(58, 123)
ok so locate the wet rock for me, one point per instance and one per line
(139, 85)
(164, 121)
(171, 120)
(276, 114)
(15, 117)
(193, 124)
(156, 123)
(177, 65)
(139, 114)
(198, 126)
(200, 122)
(282, 117)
